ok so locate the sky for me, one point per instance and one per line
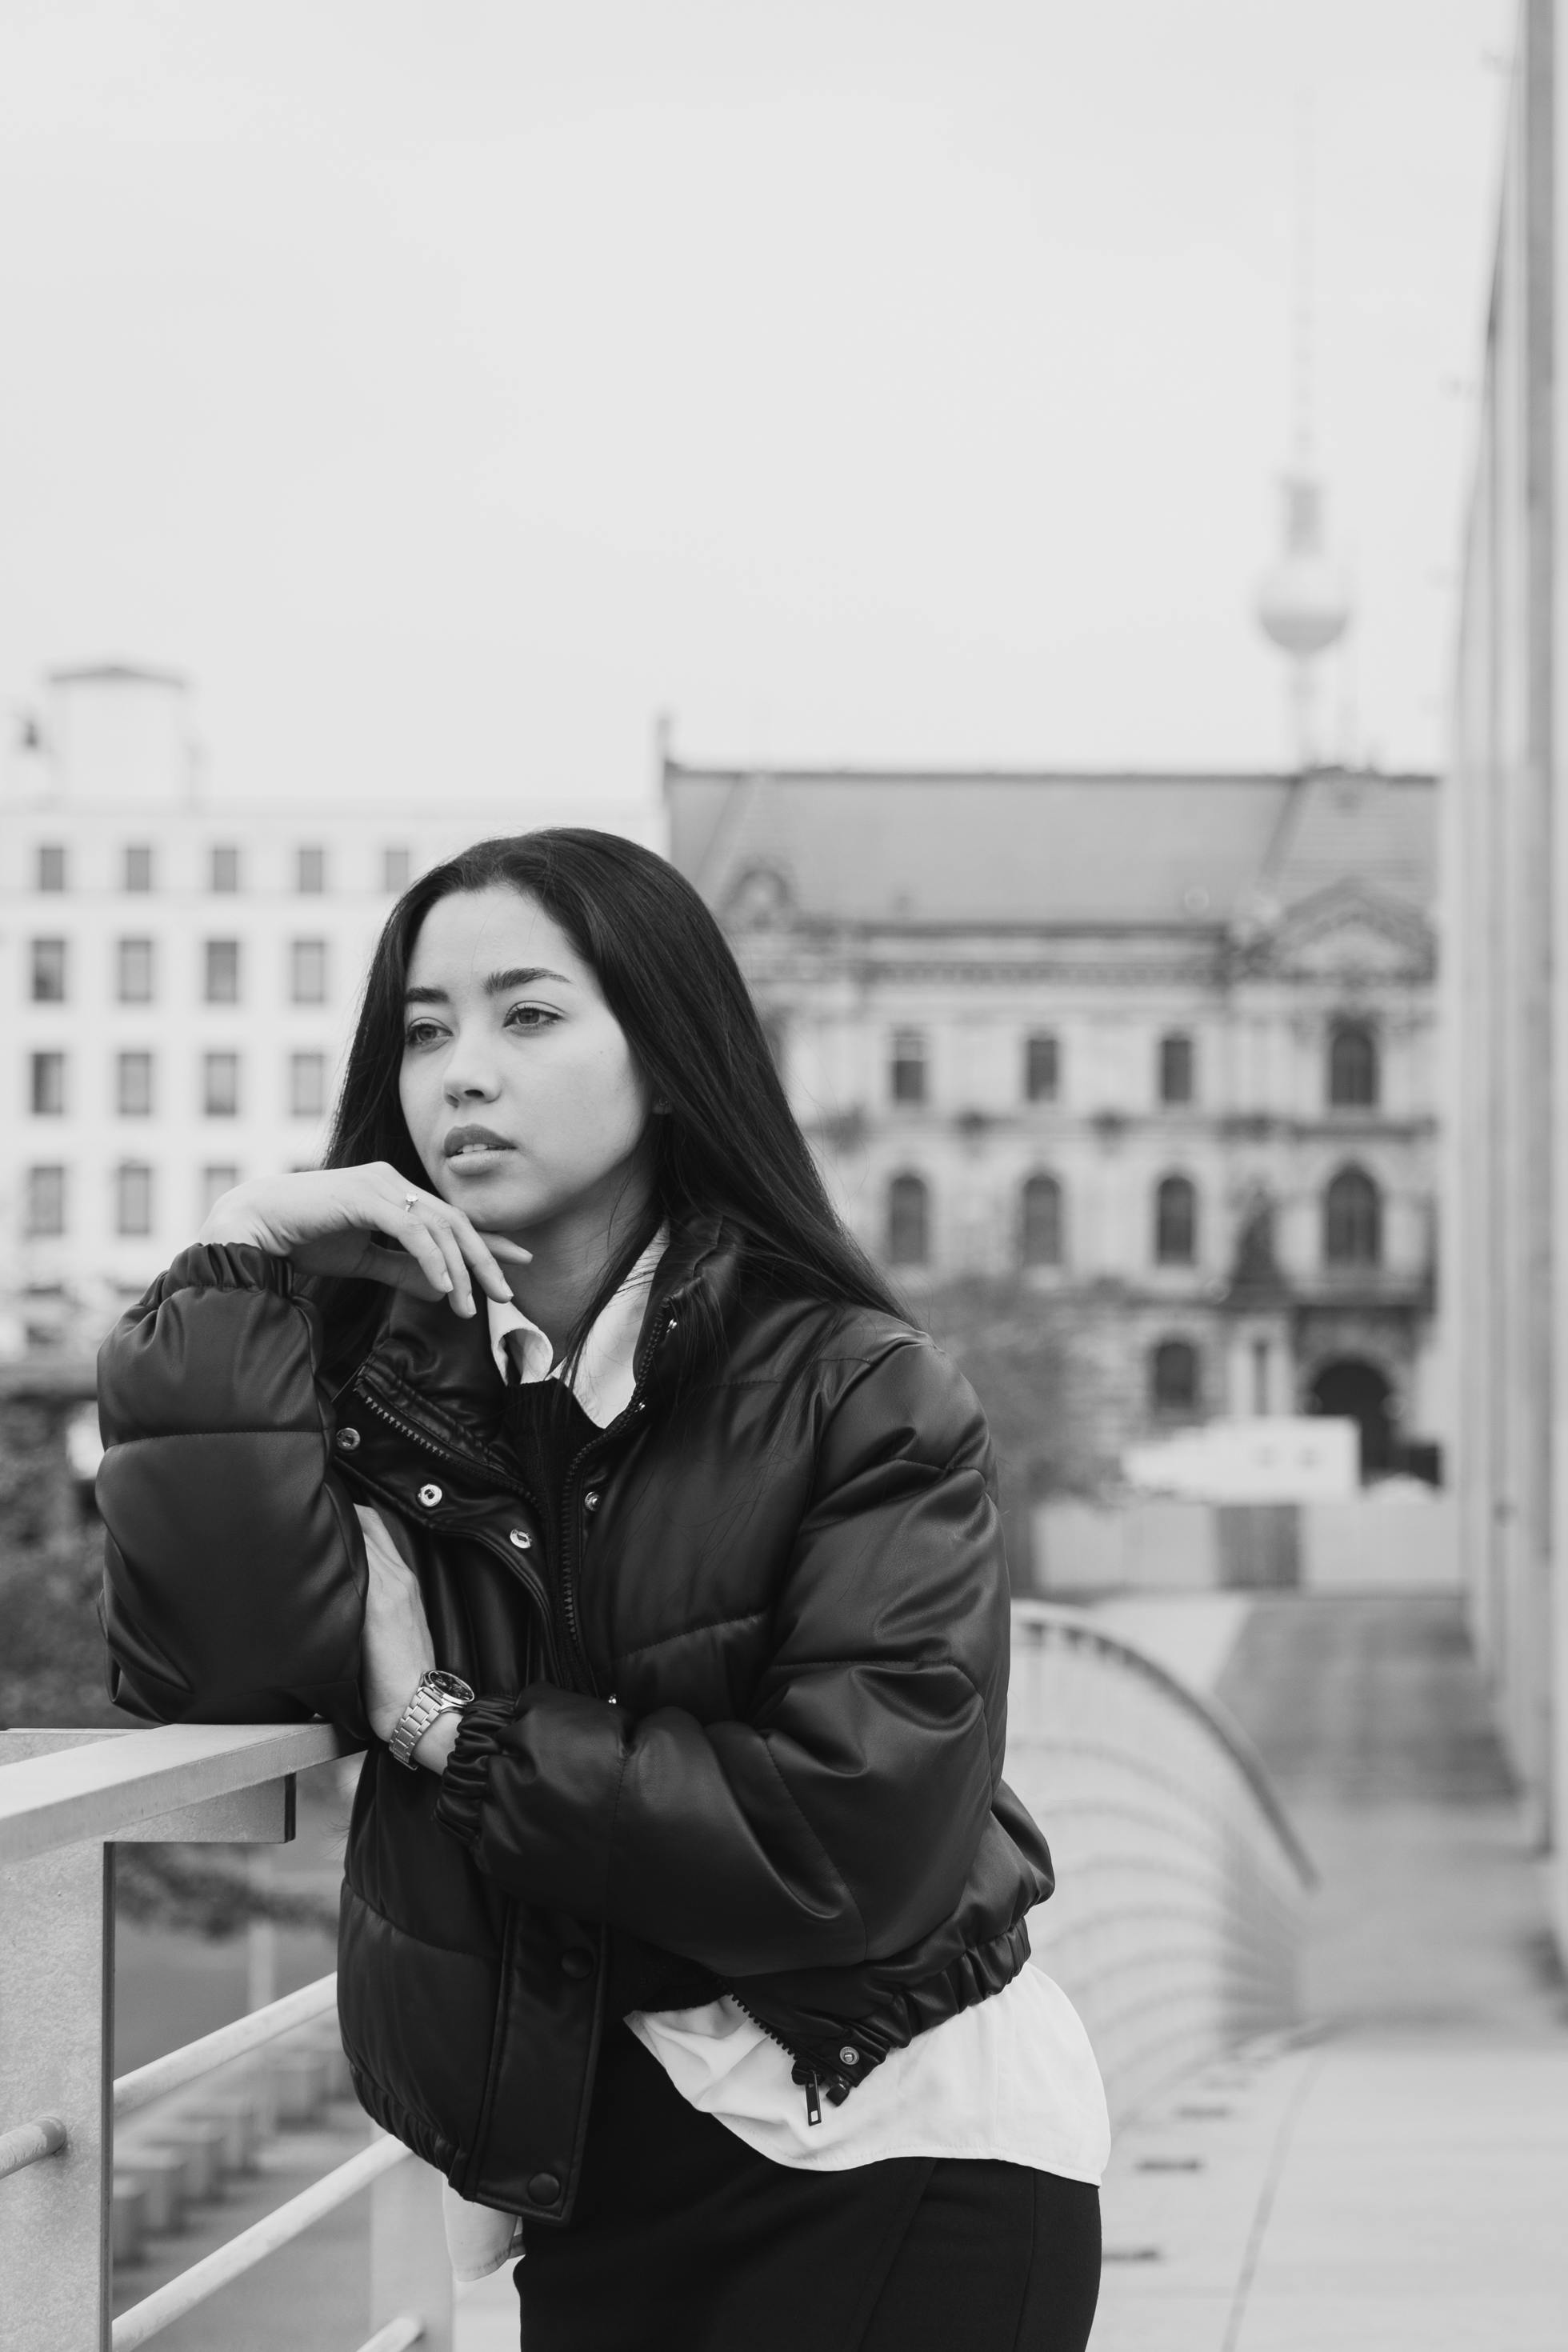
(451, 390)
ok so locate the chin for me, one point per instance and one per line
(491, 1201)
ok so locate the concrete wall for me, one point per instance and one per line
(1505, 902)
(1364, 1545)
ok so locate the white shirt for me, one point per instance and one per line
(1012, 2078)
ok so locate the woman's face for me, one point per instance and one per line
(517, 1083)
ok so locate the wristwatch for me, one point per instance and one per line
(434, 1694)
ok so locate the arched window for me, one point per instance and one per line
(1176, 1067)
(1353, 1067)
(1173, 1375)
(907, 1070)
(1175, 1221)
(1353, 1219)
(909, 1221)
(1040, 1233)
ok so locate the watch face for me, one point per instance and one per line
(452, 1684)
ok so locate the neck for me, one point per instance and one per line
(571, 1252)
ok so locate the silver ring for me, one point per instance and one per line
(410, 1202)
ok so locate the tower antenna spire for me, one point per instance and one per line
(1302, 387)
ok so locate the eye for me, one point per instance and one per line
(531, 1016)
(419, 1032)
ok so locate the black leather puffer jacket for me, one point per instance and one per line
(741, 1726)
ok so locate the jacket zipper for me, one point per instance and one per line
(532, 1585)
(571, 1618)
(803, 2072)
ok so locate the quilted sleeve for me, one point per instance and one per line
(234, 1568)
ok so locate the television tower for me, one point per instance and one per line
(1303, 605)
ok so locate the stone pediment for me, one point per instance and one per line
(760, 898)
(1347, 932)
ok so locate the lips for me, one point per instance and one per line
(464, 1140)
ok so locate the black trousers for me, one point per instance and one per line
(685, 2237)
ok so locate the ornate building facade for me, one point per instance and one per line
(1162, 1048)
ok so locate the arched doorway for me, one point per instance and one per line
(1352, 1390)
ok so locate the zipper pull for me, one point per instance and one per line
(813, 2101)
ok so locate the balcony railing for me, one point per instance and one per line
(1177, 1922)
(1175, 1930)
(65, 1799)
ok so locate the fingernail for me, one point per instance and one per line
(446, 1280)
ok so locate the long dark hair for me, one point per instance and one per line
(725, 1141)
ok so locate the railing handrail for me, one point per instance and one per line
(111, 1785)
(1079, 1626)
(238, 2255)
(257, 2027)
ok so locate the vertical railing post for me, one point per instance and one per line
(57, 2057)
(410, 2270)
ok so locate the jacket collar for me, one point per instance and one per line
(437, 1371)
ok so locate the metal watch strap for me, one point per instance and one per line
(434, 1694)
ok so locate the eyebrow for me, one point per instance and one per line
(522, 975)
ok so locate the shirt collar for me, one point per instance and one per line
(605, 1373)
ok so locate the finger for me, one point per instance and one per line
(481, 1251)
(504, 1248)
(403, 1224)
(476, 1251)
(438, 1222)
(422, 1220)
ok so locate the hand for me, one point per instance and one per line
(329, 1220)
(396, 1648)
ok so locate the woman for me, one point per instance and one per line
(557, 1438)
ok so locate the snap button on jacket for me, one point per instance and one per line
(741, 1709)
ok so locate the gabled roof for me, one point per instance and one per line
(1068, 848)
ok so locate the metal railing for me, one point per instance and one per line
(1175, 1930)
(65, 1799)
(1176, 1926)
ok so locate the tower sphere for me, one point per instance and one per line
(1302, 603)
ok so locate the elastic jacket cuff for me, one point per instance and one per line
(465, 1780)
(230, 1266)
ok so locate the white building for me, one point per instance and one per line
(1162, 1047)
(179, 973)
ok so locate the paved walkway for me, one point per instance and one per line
(1396, 2182)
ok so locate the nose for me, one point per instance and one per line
(470, 1076)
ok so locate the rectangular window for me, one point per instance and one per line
(308, 972)
(46, 1203)
(133, 1197)
(220, 1085)
(306, 1084)
(51, 866)
(1176, 1068)
(133, 1085)
(133, 971)
(907, 1075)
(139, 865)
(1042, 1067)
(310, 872)
(49, 971)
(224, 873)
(222, 971)
(215, 1181)
(397, 870)
(47, 1091)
